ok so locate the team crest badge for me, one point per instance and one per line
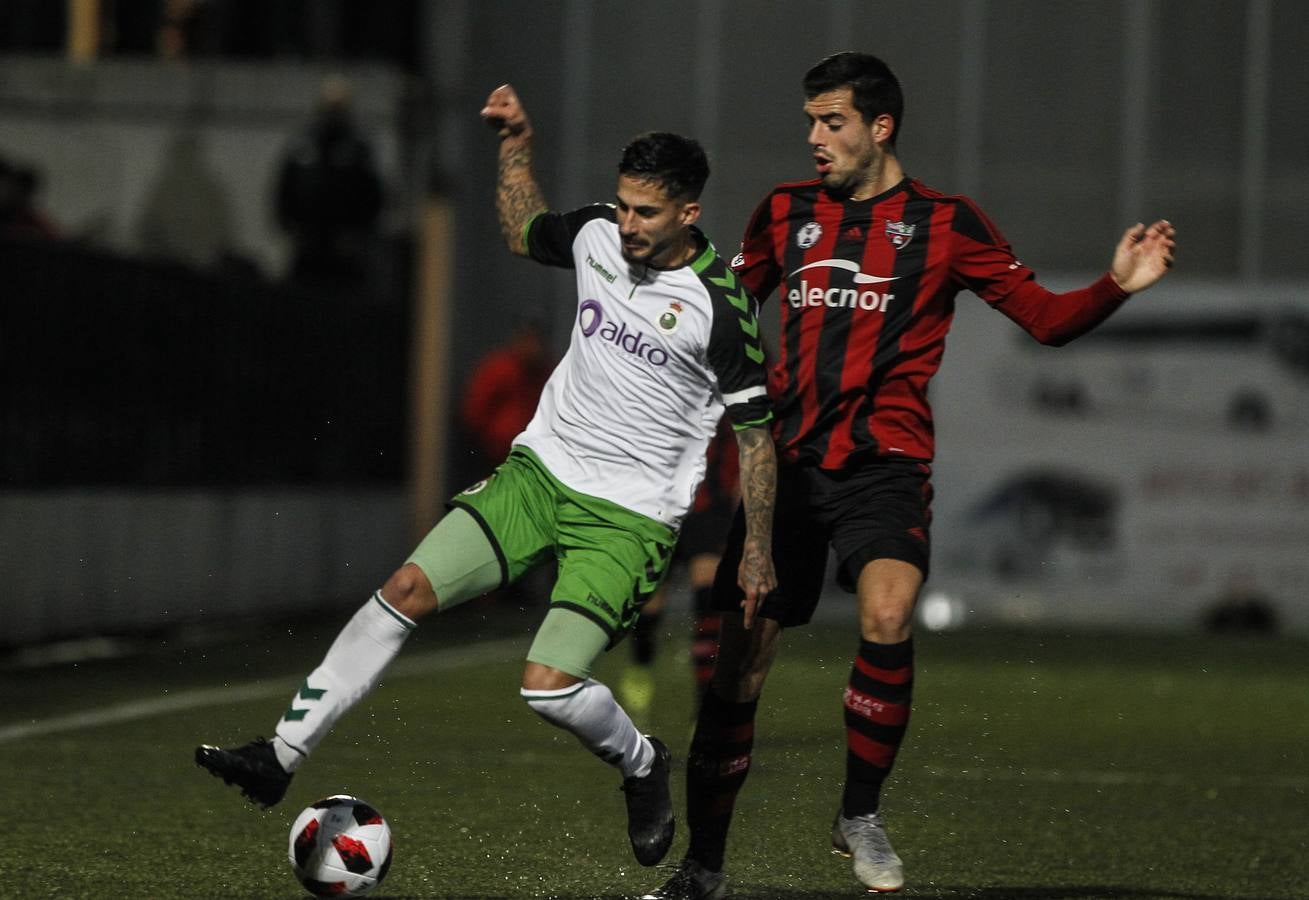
(667, 321)
(899, 234)
(808, 235)
(478, 487)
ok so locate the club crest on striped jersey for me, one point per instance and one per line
(667, 321)
(899, 234)
(808, 235)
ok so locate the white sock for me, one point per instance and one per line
(590, 711)
(352, 667)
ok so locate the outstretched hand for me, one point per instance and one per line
(505, 113)
(1144, 255)
(756, 578)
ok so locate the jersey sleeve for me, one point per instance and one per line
(756, 265)
(735, 351)
(549, 235)
(984, 263)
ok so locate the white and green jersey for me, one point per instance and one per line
(654, 358)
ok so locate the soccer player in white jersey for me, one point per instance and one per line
(664, 341)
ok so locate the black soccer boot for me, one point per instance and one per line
(650, 822)
(253, 768)
(691, 881)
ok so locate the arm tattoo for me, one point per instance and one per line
(517, 196)
(758, 483)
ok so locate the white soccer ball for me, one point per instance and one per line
(340, 847)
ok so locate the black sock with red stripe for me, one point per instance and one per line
(877, 702)
(715, 770)
(704, 640)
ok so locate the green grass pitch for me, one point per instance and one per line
(1038, 765)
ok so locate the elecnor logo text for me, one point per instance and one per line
(591, 319)
(840, 298)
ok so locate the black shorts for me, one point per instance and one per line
(877, 510)
(704, 532)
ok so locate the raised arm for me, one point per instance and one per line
(517, 196)
(985, 264)
(758, 497)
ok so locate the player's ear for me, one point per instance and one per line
(882, 127)
(690, 212)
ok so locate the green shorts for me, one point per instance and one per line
(610, 559)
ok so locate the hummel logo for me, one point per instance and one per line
(604, 273)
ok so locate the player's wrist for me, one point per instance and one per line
(519, 135)
(1118, 284)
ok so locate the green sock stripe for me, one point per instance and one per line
(295, 714)
(407, 623)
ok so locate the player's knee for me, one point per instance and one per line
(744, 659)
(887, 623)
(409, 592)
(554, 695)
(888, 590)
(738, 686)
(538, 677)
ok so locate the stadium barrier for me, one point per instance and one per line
(181, 446)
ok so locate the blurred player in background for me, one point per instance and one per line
(665, 340)
(501, 395)
(867, 263)
(699, 549)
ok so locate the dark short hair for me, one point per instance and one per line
(677, 164)
(876, 89)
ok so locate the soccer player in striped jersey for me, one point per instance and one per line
(664, 341)
(866, 263)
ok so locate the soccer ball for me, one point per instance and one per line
(340, 847)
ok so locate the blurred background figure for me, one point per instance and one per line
(181, 27)
(329, 197)
(169, 227)
(20, 215)
(501, 394)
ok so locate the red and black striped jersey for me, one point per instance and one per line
(867, 291)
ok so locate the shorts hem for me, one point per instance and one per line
(611, 632)
(490, 537)
(848, 569)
